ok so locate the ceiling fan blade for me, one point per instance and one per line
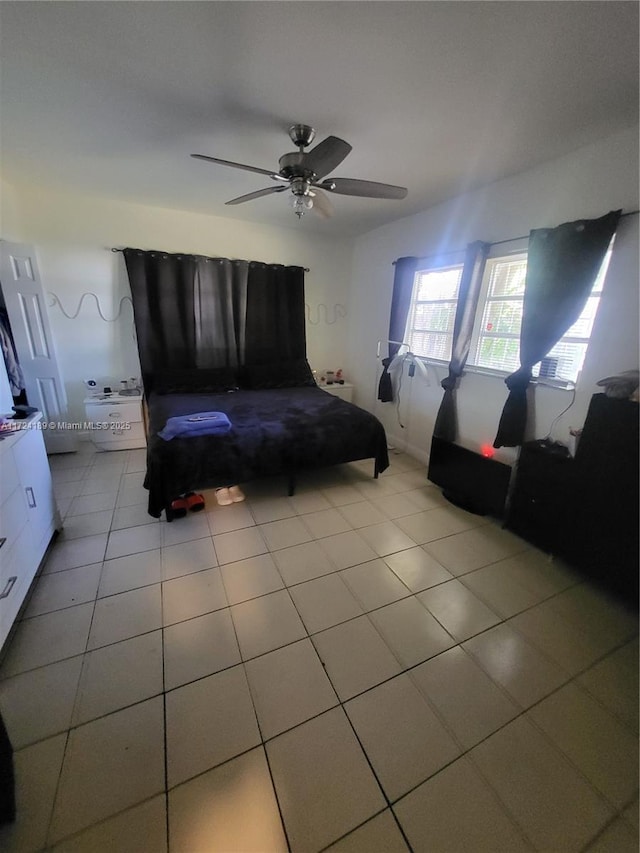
(246, 168)
(321, 203)
(326, 156)
(364, 189)
(257, 194)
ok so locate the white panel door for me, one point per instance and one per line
(25, 300)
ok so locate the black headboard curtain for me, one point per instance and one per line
(192, 311)
(404, 275)
(562, 265)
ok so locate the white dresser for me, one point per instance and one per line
(115, 421)
(28, 515)
(344, 391)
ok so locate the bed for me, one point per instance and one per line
(274, 430)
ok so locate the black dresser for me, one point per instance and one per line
(585, 509)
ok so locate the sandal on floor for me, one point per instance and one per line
(179, 508)
(236, 494)
(223, 497)
(195, 503)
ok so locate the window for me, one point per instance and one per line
(496, 338)
(432, 313)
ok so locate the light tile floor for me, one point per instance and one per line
(360, 667)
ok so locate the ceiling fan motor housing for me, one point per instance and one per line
(301, 134)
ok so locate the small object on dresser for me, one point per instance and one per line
(330, 377)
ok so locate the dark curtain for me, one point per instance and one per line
(446, 426)
(220, 307)
(400, 301)
(275, 326)
(197, 312)
(562, 265)
(162, 293)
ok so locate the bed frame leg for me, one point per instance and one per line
(375, 470)
(291, 485)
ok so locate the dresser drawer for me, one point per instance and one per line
(118, 432)
(111, 412)
(9, 477)
(16, 574)
(13, 517)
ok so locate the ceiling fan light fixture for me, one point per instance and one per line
(301, 204)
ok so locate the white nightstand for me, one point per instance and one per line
(115, 421)
(344, 391)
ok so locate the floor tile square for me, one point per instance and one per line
(239, 545)
(410, 631)
(417, 569)
(341, 495)
(76, 552)
(471, 705)
(395, 506)
(234, 517)
(285, 533)
(472, 549)
(426, 498)
(47, 639)
(198, 647)
(324, 784)
(92, 503)
(250, 578)
(518, 666)
(614, 682)
(89, 524)
(208, 722)
(266, 623)
(324, 602)
(459, 610)
(381, 833)
(550, 799)
(37, 770)
(500, 590)
(456, 810)
(119, 675)
(362, 514)
(142, 829)
(302, 563)
(39, 703)
(355, 657)
(110, 764)
(194, 525)
(132, 496)
(347, 549)
(130, 572)
(374, 584)
(125, 615)
(326, 522)
(192, 595)
(436, 523)
(265, 510)
(230, 808)
(187, 557)
(404, 740)
(64, 589)
(386, 538)
(131, 540)
(288, 687)
(312, 501)
(598, 744)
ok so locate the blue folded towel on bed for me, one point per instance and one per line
(200, 423)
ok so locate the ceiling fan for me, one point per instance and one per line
(304, 173)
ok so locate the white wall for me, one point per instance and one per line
(584, 184)
(73, 234)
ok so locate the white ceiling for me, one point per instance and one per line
(111, 97)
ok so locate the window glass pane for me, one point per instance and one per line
(437, 317)
(438, 284)
(507, 277)
(584, 324)
(431, 345)
(502, 316)
(499, 353)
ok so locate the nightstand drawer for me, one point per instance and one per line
(112, 412)
(117, 431)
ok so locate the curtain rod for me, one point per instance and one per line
(495, 243)
(306, 269)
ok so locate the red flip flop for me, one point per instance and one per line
(195, 503)
(179, 508)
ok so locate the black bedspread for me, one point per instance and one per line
(275, 431)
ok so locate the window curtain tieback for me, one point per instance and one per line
(519, 380)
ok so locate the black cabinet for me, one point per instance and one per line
(585, 509)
